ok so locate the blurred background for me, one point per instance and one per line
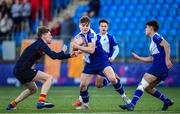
(19, 20)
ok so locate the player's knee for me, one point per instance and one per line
(143, 85)
(113, 80)
(148, 90)
(99, 85)
(33, 90)
(50, 78)
(83, 87)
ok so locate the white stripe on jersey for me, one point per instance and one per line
(153, 47)
(105, 43)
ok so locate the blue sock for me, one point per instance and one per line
(84, 95)
(119, 88)
(160, 96)
(137, 94)
(105, 82)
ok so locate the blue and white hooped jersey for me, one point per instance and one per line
(99, 55)
(158, 53)
(108, 42)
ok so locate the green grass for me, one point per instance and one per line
(104, 100)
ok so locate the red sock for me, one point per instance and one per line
(42, 98)
(13, 103)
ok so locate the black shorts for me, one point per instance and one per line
(25, 76)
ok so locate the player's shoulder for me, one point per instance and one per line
(157, 37)
(91, 33)
(110, 35)
(98, 35)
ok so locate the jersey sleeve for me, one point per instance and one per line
(157, 39)
(54, 55)
(91, 37)
(113, 41)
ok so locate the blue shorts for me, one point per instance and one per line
(96, 68)
(159, 73)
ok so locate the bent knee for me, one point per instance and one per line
(98, 85)
(33, 90)
(83, 87)
(113, 80)
(50, 78)
(149, 90)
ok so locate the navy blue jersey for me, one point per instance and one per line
(107, 42)
(34, 52)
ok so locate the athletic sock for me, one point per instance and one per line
(42, 98)
(137, 94)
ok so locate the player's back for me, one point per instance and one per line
(30, 55)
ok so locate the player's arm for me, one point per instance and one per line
(115, 53)
(166, 46)
(79, 40)
(143, 59)
(54, 55)
(90, 48)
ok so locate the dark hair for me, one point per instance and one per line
(154, 24)
(42, 30)
(103, 21)
(85, 19)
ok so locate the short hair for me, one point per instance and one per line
(154, 24)
(85, 19)
(42, 30)
(103, 21)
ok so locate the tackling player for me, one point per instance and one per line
(27, 76)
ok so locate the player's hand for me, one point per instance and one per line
(169, 64)
(80, 40)
(64, 48)
(110, 59)
(134, 55)
(73, 54)
(74, 45)
(79, 52)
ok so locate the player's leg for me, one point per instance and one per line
(31, 89)
(85, 80)
(145, 82)
(46, 79)
(156, 93)
(101, 81)
(109, 72)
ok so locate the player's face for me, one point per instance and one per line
(48, 37)
(84, 27)
(148, 30)
(103, 28)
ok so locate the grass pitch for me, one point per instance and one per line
(102, 101)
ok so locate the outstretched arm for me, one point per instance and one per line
(60, 55)
(143, 59)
